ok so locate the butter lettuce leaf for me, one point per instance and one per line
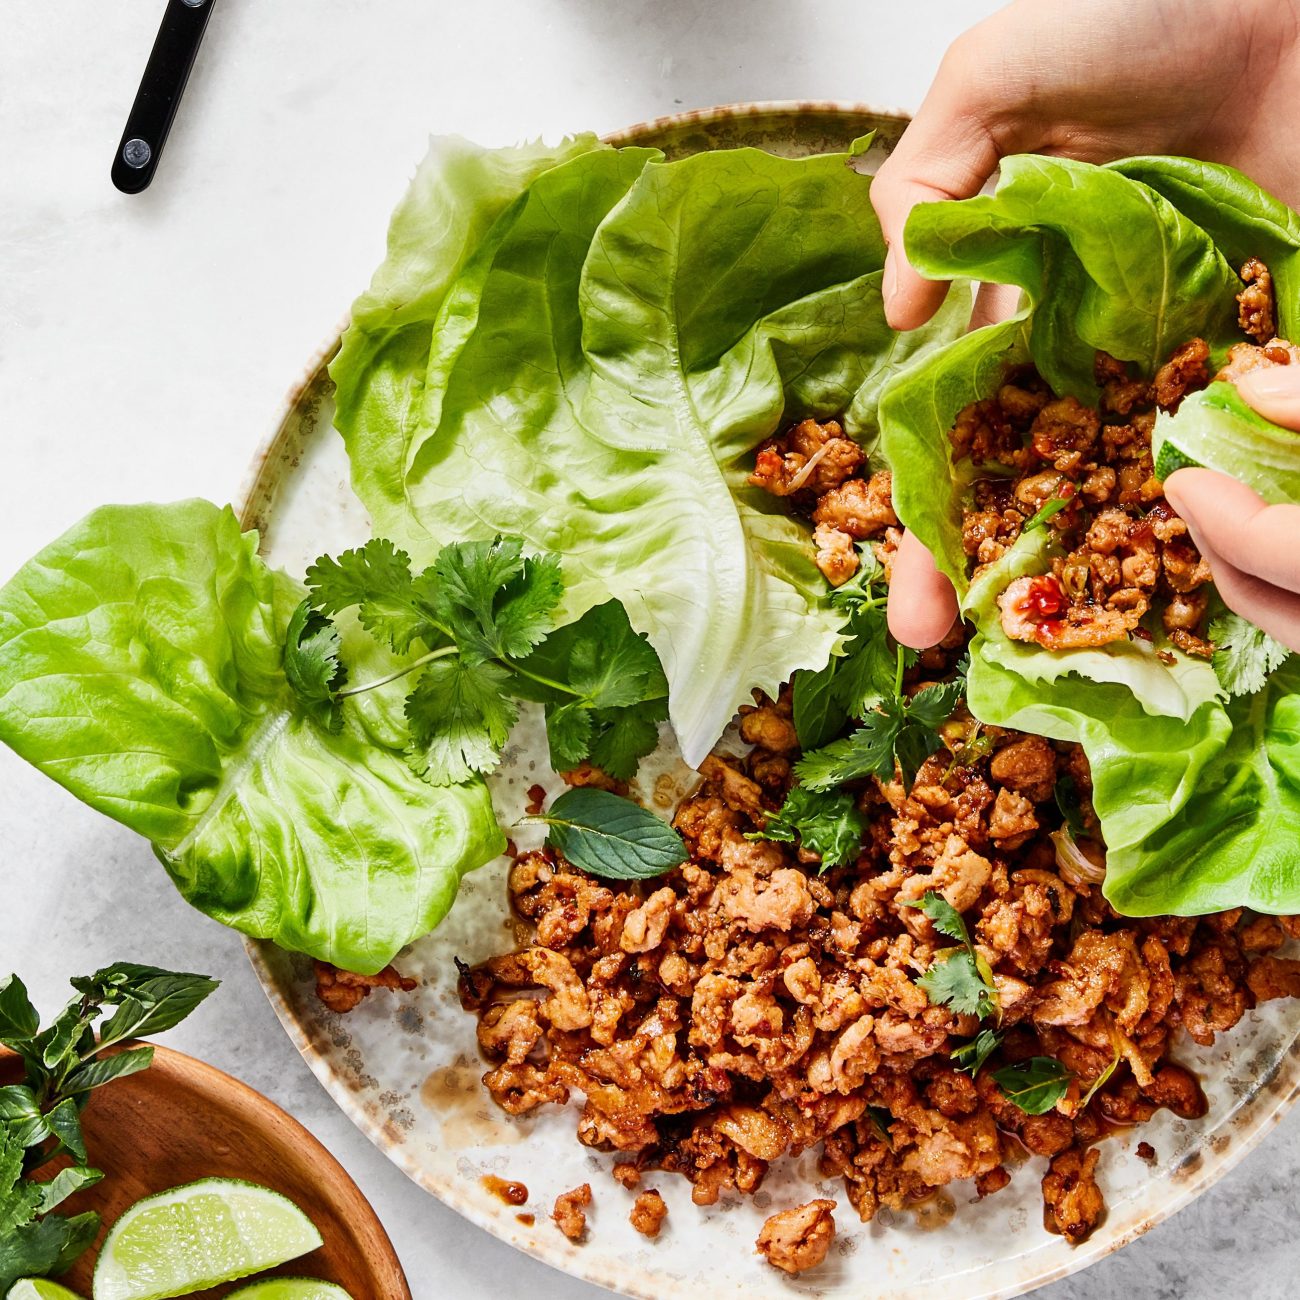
(141, 667)
(1195, 792)
(1199, 816)
(598, 375)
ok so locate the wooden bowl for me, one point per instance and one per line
(182, 1120)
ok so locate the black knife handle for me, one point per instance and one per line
(160, 92)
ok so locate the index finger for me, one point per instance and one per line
(1230, 520)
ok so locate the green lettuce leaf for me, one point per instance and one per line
(1193, 790)
(1199, 816)
(598, 375)
(141, 666)
(1216, 428)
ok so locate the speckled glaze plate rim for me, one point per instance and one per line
(1270, 1099)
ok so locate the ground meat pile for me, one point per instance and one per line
(1126, 551)
(748, 1007)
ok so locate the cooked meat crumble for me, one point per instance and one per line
(344, 990)
(569, 1213)
(648, 1213)
(798, 1239)
(747, 1007)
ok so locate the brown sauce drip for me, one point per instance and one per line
(511, 1193)
(526, 1219)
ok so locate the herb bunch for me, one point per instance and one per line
(40, 1118)
(474, 634)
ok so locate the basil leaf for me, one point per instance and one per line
(18, 1019)
(67, 1182)
(818, 715)
(104, 1069)
(157, 1004)
(971, 1056)
(612, 837)
(20, 1113)
(64, 1121)
(1035, 1085)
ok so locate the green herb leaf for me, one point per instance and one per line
(818, 715)
(942, 915)
(868, 751)
(954, 980)
(623, 737)
(1102, 1079)
(376, 579)
(152, 1002)
(18, 1019)
(460, 716)
(971, 1056)
(64, 1121)
(20, 1113)
(19, 1199)
(828, 824)
(104, 1069)
(866, 675)
(496, 602)
(314, 666)
(46, 1246)
(1047, 511)
(881, 1118)
(1245, 656)
(612, 837)
(1035, 1085)
(568, 733)
(67, 1182)
(1067, 800)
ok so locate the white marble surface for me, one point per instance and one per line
(146, 343)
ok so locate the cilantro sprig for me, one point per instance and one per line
(856, 681)
(958, 977)
(40, 1118)
(827, 823)
(475, 633)
(899, 731)
(1245, 656)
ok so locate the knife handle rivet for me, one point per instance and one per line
(136, 153)
(194, 4)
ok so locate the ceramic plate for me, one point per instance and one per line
(407, 1069)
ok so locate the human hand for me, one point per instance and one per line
(1253, 548)
(1094, 80)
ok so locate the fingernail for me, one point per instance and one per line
(1271, 382)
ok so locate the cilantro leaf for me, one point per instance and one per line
(376, 578)
(913, 747)
(568, 733)
(623, 737)
(955, 981)
(599, 660)
(868, 751)
(933, 705)
(942, 914)
(1035, 1085)
(496, 602)
(971, 1056)
(460, 716)
(866, 677)
(313, 665)
(1244, 655)
(829, 825)
(818, 715)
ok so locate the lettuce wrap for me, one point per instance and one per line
(584, 347)
(1196, 791)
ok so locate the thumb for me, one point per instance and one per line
(947, 152)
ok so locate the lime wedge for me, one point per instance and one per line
(290, 1288)
(197, 1236)
(40, 1288)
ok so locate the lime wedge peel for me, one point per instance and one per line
(41, 1288)
(290, 1288)
(197, 1236)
